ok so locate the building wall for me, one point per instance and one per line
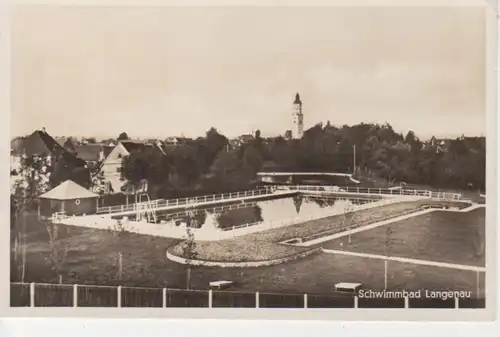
(50, 206)
(111, 167)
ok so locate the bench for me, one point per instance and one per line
(347, 287)
(220, 284)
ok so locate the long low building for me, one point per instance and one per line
(334, 178)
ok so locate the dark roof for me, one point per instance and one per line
(131, 146)
(178, 140)
(69, 145)
(89, 152)
(40, 143)
(107, 149)
(246, 138)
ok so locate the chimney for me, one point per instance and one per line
(44, 130)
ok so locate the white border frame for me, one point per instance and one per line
(252, 314)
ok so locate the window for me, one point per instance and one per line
(119, 169)
(119, 156)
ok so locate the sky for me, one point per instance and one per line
(158, 72)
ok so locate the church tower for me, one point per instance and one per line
(298, 118)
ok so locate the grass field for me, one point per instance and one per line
(438, 236)
(93, 259)
(265, 245)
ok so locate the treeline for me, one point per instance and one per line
(209, 164)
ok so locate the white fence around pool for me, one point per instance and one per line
(158, 203)
(270, 190)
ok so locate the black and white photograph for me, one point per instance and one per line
(294, 157)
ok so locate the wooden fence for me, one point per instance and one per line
(74, 295)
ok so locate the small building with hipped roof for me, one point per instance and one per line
(68, 197)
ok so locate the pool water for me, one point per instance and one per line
(236, 214)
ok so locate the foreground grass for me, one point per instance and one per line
(437, 236)
(93, 259)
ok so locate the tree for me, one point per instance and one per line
(123, 136)
(32, 179)
(101, 185)
(189, 253)
(252, 159)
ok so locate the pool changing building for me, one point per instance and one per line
(68, 197)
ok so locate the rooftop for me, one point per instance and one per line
(68, 190)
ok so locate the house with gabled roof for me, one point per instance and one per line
(40, 144)
(93, 154)
(111, 168)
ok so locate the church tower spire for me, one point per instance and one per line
(298, 118)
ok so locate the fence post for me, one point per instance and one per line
(75, 295)
(257, 299)
(355, 302)
(457, 305)
(305, 301)
(407, 302)
(119, 296)
(32, 294)
(210, 298)
(164, 297)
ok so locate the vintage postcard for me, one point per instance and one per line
(243, 161)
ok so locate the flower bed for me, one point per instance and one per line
(240, 250)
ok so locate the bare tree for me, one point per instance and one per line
(59, 247)
(119, 233)
(388, 250)
(189, 253)
(349, 219)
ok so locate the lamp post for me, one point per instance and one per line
(354, 159)
(387, 253)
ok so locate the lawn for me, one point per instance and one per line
(93, 259)
(438, 236)
(266, 245)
